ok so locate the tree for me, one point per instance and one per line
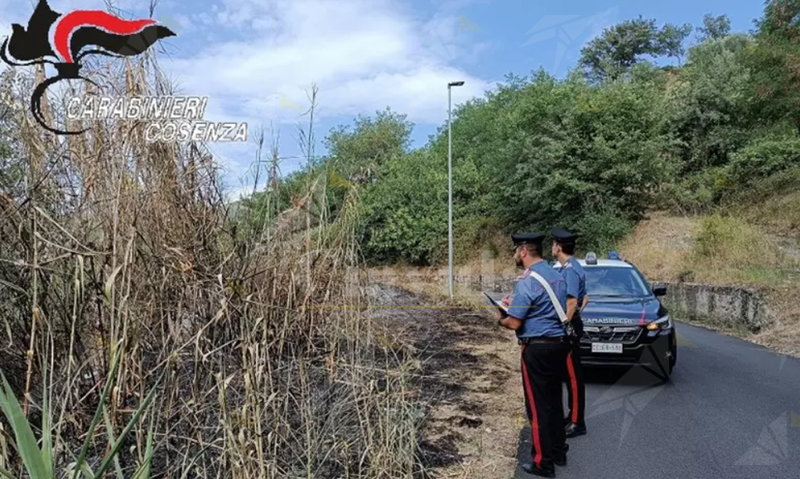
(620, 47)
(558, 160)
(404, 214)
(671, 38)
(714, 28)
(775, 62)
(358, 153)
(781, 19)
(707, 103)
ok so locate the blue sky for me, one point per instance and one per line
(366, 55)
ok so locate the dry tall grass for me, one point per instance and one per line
(660, 246)
(716, 249)
(109, 241)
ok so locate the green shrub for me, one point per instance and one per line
(475, 235)
(731, 243)
(763, 158)
(782, 182)
(717, 236)
(602, 229)
(404, 213)
(695, 194)
(729, 249)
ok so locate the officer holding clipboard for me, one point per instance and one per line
(536, 314)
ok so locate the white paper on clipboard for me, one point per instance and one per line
(497, 304)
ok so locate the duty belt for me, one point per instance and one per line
(541, 340)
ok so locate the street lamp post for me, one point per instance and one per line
(450, 181)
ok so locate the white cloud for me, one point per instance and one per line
(364, 55)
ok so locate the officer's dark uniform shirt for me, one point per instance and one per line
(575, 276)
(533, 306)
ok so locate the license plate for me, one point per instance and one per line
(606, 348)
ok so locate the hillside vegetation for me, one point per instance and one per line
(745, 243)
(626, 132)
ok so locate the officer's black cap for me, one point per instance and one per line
(527, 238)
(563, 236)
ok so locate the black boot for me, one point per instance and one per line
(530, 468)
(573, 430)
(561, 459)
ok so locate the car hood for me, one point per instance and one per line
(622, 311)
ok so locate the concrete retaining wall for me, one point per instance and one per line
(730, 306)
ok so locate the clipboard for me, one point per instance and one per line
(497, 304)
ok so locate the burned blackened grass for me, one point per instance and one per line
(439, 337)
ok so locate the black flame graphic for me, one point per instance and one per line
(104, 33)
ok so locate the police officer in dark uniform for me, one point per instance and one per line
(575, 277)
(542, 335)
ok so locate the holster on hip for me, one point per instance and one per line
(575, 326)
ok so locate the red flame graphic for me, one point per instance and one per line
(92, 18)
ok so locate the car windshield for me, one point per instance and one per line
(605, 281)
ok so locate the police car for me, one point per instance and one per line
(625, 324)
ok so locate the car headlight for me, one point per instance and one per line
(662, 323)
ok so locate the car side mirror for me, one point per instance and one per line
(660, 290)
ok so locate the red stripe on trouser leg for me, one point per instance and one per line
(573, 382)
(535, 432)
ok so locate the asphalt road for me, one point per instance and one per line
(731, 410)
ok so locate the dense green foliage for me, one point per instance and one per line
(763, 158)
(625, 132)
(404, 210)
